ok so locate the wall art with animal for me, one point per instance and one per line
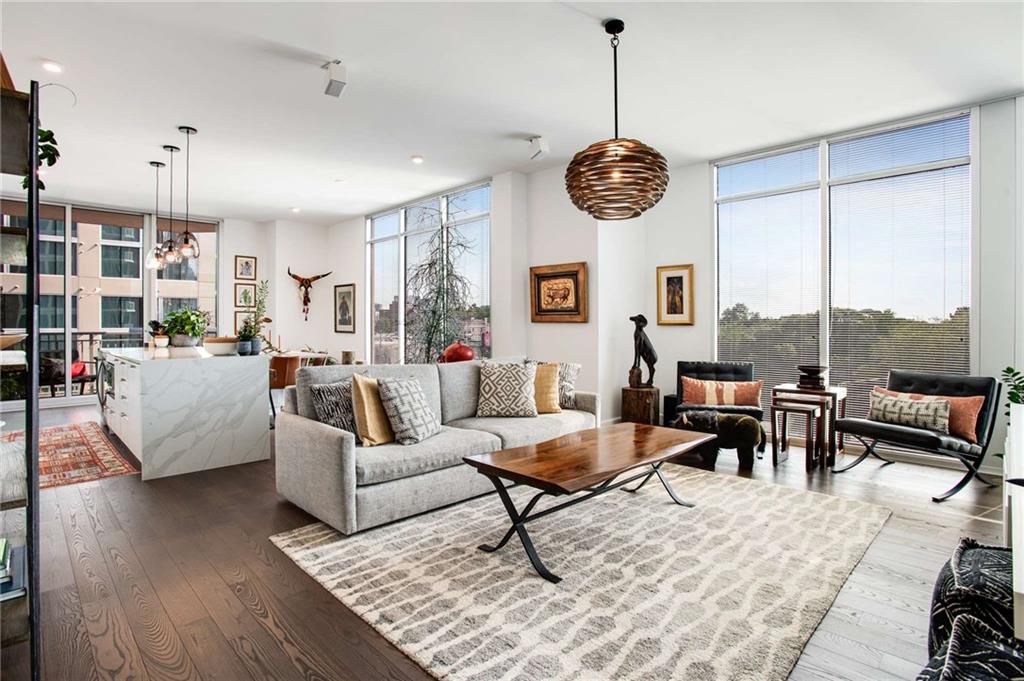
(558, 293)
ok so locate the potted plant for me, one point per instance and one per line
(1014, 382)
(159, 333)
(246, 334)
(259, 315)
(186, 327)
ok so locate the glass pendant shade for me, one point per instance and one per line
(170, 250)
(155, 258)
(188, 245)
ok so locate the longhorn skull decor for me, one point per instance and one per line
(305, 284)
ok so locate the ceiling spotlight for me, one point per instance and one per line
(52, 66)
(337, 78)
(539, 147)
(416, 159)
(339, 181)
(295, 209)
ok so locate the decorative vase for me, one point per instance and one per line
(347, 357)
(161, 341)
(179, 340)
(244, 347)
(256, 346)
(456, 352)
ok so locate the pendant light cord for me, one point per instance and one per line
(615, 80)
(188, 147)
(170, 201)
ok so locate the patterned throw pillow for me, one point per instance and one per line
(904, 411)
(411, 417)
(736, 393)
(567, 375)
(507, 390)
(333, 404)
(963, 411)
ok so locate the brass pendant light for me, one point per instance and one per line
(618, 178)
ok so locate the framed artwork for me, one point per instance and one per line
(345, 308)
(558, 293)
(675, 294)
(245, 295)
(240, 317)
(245, 267)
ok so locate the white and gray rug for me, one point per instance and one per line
(731, 589)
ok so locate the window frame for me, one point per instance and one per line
(825, 183)
(400, 237)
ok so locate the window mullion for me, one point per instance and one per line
(402, 283)
(825, 308)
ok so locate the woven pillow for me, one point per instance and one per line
(963, 411)
(975, 652)
(411, 417)
(904, 411)
(736, 393)
(333, 404)
(567, 376)
(372, 423)
(507, 390)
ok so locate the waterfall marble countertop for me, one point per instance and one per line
(138, 355)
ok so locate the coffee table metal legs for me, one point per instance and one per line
(520, 518)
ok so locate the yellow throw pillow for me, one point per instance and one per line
(372, 423)
(546, 388)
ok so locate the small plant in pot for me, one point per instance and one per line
(159, 333)
(246, 335)
(186, 327)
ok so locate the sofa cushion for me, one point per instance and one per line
(372, 424)
(426, 374)
(412, 419)
(545, 387)
(518, 432)
(309, 376)
(394, 461)
(507, 390)
(460, 389)
(333, 404)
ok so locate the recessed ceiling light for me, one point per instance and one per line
(52, 67)
(416, 159)
(295, 209)
(339, 181)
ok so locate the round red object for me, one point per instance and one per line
(457, 352)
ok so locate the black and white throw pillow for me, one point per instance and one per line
(333, 404)
(567, 375)
(507, 390)
(904, 411)
(410, 415)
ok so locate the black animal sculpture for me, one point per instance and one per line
(305, 284)
(642, 350)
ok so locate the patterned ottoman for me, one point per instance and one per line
(976, 581)
(975, 652)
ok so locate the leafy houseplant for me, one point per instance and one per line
(246, 334)
(159, 333)
(186, 326)
(1014, 381)
(48, 154)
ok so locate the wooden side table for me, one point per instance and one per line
(640, 405)
(814, 447)
(836, 409)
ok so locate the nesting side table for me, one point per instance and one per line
(837, 409)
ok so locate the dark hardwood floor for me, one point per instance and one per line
(176, 579)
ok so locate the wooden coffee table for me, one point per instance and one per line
(586, 461)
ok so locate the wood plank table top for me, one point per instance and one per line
(577, 461)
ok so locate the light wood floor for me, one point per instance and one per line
(175, 579)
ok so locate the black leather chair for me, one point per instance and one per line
(872, 433)
(711, 371)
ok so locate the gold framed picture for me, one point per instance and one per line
(558, 293)
(675, 294)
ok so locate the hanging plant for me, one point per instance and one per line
(48, 154)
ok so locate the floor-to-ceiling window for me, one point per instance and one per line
(880, 280)
(430, 277)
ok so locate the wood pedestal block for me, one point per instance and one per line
(640, 405)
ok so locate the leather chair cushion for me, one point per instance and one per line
(756, 412)
(906, 435)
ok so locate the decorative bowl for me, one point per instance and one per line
(221, 345)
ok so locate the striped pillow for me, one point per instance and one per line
(736, 393)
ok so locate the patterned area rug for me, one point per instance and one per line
(731, 589)
(73, 453)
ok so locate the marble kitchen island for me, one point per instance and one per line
(180, 410)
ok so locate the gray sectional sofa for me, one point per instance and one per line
(324, 471)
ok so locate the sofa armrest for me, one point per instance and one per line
(589, 402)
(315, 467)
(291, 403)
(668, 411)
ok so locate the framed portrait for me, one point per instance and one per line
(245, 295)
(245, 267)
(675, 294)
(240, 317)
(558, 293)
(345, 308)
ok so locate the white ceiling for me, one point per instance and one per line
(465, 84)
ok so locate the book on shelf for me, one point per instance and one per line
(18, 584)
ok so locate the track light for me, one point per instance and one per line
(337, 78)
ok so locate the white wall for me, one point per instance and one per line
(239, 237)
(346, 244)
(510, 298)
(305, 249)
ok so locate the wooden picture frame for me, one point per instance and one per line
(675, 295)
(240, 317)
(558, 293)
(345, 304)
(245, 267)
(240, 290)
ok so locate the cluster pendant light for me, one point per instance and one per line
(618, 178)
(173, 250)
